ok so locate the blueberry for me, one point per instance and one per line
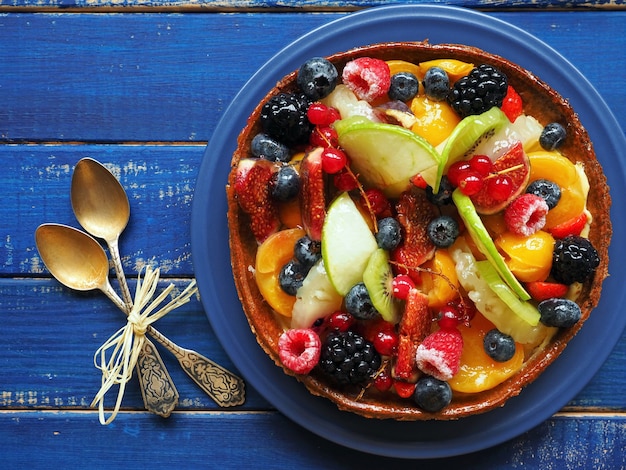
(432, 394)
(388, 236)
(552, 136)
(317, 78)
(307, 251)
(559, 312)
(546, 189)
(443, 197)
(292, 276)
(285, 184)
(263, 146)
(359, 304)
(443, 231)
(499, 346)
(404, 86)
(436, 84)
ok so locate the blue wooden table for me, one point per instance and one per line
(140, 86)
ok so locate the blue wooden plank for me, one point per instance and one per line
(268, 440)
(51, 333)
(169, 77)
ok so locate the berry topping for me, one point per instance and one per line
(283, 118)
(341, 321)
(299, 350)
(443, 231)
(481, 90)
(368, 78)
(540, 290)
(401, 285)
(403, 87)
(321, 115)
(449, 317)
(333, 160)
(348, 357)
(436, 84)
(323, 136)
(561, 313)
(386, 341)
(499, 346)
(317, 78)
(439, 354)
(574, 260)
(383, 381)
(512, 104)
(552, 136)
(548, 190)
(432, 394)
(285, 184)
(389, 233)
(482, 164)
(376, 201)
(307, 251)
(292, 276)
(359, 304)
(526, 214)
(264, 146)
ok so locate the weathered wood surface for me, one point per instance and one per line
(142, 93)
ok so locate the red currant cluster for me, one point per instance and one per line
(470, 176)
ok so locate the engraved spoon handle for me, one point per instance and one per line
(224, 387)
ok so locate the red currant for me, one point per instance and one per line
(457, 170)
(321, 115)
(341, 321)
(383, 381)
(378, 202)
(386, 342)
(471, 183)
(401, 285)
(482, 164)
(404, 389)
(500, 187)
(449, 317)
(466, 309)
(345, 181)
(324, 136)
(333, 160)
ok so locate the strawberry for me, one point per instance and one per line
(512, 104)
(312, 193)
(252, 187)
(368, 78)
(439, 355)
(299, 349)
(414, 214)
(570, 227)
(414, 327)
(546, 290)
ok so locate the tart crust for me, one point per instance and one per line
(540, 101)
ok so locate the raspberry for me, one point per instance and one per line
(368, 78)
(526, 214)
(299, 350)
(439, 355)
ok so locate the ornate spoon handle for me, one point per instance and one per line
(224, 387)
(157, 388)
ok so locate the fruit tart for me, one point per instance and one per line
(416, 230)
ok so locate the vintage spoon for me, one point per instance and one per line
(101, 206)
(71, 257)
(79, 262)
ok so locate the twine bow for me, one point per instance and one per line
(124, 346)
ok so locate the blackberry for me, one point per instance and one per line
(574, 259)
(479, 91)
(284, 118)
(348, 357)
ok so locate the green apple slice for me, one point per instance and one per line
(347, 244)
(377, 278)
(525, 310)
(485, 244)
(387, 156)
(466, 136)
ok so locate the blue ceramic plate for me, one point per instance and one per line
(552, 390)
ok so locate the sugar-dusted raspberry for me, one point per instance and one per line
(368, 78)
(299, 350)
(439, 355)
(526, 214)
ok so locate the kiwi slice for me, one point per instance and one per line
(377, 278)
